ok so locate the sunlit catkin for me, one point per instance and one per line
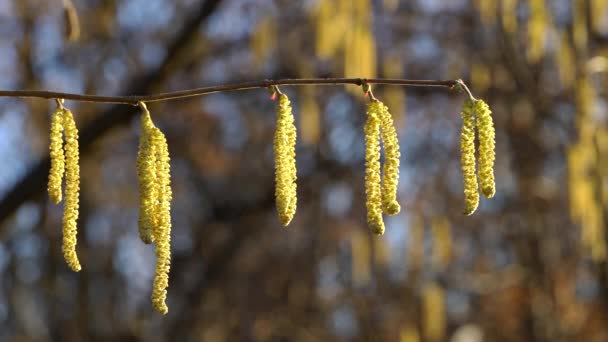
(390, 170)
(467, 148)
(373, 200)
(487, 154)
(161, 230)
(146, 176)
(72, 188)
(285, 161)
(57, 157)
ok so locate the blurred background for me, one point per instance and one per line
(530, 265)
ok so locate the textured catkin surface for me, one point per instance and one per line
(487, 145)
(146, 175)
(72, 190)
(284, 146)
(162, 228)
(57, 157)
(390, 170)
(373, 200)
(467, 148)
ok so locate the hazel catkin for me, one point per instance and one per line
(146, 176)
(373, 201)
(284, 146)
(467, 159)
(390, 170)
(72, 189)
(162, 222)
(486, 133)
(57, 158)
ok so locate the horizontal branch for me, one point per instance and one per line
(133, 100)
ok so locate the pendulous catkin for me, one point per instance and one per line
(161, 230)
(146, 176)
(390, 170)
(467, 148)
(154, 178)
(284, 146)
(57, 157)
(72, 189)
(373, 200)
(485, 129)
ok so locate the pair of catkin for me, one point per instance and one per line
(284, 146)
(153, 172)
(477, 115)
(64, 161)
(381, 192)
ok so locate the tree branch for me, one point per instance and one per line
(133, 100)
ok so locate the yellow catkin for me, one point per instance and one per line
(285, 161)
(146, 175)
(57, 158)
(487, 145)
(467, 159)
(390, 171)
(72, 188)
(373, 200)
(162, 228)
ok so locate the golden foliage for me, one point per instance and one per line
(442, 243)
(537, 25)
(433, 310)
(360, 258)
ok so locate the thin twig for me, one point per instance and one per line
(134, 100)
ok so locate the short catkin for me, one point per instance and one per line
(72, 189)
(57, 158)
(467, 148)
(373, 200)
(146, 175)
(162, 216)
(284, 147)
(486, 133)
(390, 171)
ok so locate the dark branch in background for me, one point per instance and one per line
(133, 100)
(34, 182)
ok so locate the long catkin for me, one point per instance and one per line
(146, 176)
(467, 148)
(487, 145)
(373, 200)
(162, 228)
(284, 146)
(390, 170)
(72, 189)
(57, 157)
